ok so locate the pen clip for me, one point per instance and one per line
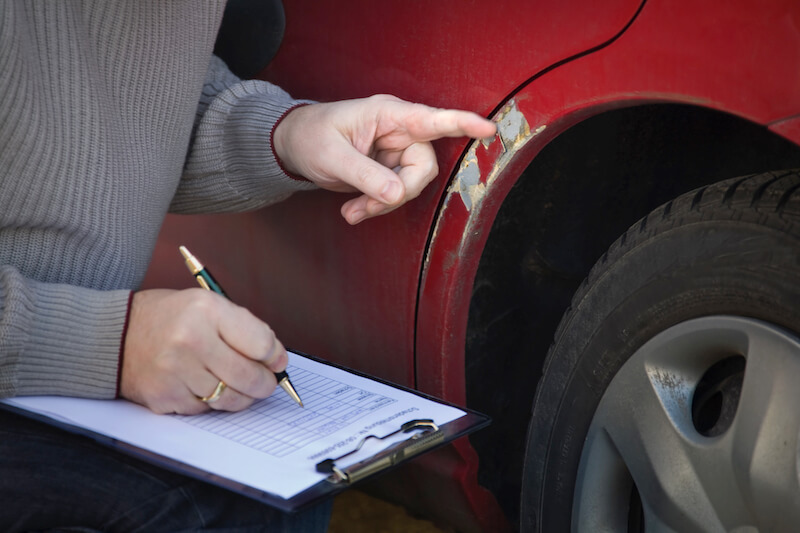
(202, 282)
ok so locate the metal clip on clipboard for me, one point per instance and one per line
(431, 436)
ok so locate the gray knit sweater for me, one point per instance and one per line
(98, 100)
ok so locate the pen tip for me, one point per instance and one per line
(289, 388)
(184, 252)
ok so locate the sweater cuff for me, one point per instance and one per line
(73, 346)
(231, 167)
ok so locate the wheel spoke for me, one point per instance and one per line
(650, 433)
(765, 431)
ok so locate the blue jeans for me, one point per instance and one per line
(52, 480)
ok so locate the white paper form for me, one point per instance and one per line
(274, 445)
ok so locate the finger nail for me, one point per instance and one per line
(391, 192)
(356, 216)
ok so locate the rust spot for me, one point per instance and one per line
(513, 132)
(468, 179)
(512, 127)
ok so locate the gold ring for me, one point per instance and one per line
(214, 395)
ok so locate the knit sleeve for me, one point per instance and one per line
(59, 339)
(231, 164)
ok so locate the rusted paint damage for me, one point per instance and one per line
(468, 179)
(512, 127)
(514, 132)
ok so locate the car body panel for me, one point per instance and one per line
(457, 53)
(678, 58)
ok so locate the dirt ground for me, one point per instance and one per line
(357, 512)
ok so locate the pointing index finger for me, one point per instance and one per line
(430, 124)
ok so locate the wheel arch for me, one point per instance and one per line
(533, 227)
(579, 194)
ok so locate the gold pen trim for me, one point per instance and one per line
(193, 264)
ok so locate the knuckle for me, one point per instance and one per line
(267, 345)
(204, 302)
(183, 338)
(260, 343)
(279, 359)
(252, 382)
(383, 97)
(364, 174)
(199, 302)
(253, 379)
(434, 169)
(232, 401)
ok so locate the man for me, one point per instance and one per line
(111, 114)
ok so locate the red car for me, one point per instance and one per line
(614, 278)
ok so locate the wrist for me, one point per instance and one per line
(122, 344)
(279, 144)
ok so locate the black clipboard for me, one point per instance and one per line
(423, 437)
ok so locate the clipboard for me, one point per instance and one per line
(421, 435)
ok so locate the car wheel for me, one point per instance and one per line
(668, 400)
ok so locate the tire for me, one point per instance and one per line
(668, 399)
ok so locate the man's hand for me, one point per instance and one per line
(378, 145)
(180, 344)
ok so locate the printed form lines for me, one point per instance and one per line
(278, 426)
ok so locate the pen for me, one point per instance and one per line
(207, 281)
